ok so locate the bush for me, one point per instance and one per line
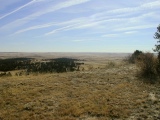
(148, 65)
(132, 58)
(111, 64)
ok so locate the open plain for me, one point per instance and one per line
(105, 88)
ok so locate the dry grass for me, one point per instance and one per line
(148, 64)
(99, 93)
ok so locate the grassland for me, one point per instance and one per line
(105, 88)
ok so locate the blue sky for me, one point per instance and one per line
(78, 25)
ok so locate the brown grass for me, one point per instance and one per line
(97, 94)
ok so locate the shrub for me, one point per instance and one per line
(132, 58)
(111, 64)
(148, 65)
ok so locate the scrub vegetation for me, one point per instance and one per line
(100, 90)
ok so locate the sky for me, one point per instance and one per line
(78, 25)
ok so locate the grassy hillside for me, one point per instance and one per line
(99, 91)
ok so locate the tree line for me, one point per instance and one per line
(47, 65)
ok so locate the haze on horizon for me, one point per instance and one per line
(78, 25)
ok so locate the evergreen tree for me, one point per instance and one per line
(157, 46)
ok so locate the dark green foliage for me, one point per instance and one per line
(134, 56)
(157, 36)
(157, 47)
(48, 65)
(64, 60)
(14, 64)
(137, 53)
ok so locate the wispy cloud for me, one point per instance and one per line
(88, 22)
(154, 4)
(110, 35)
(35, 27)
(79, 25)
(128, 10)
(69, 27)
(130, 32)
(100, 23)
(113, 20)
(21, 7)
(51, 8)
(122, 15)
(136, 27)
(118, 34)
(70, 22)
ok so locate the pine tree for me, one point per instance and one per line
(157, 46)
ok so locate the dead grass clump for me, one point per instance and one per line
(148, 66)
(111, 64)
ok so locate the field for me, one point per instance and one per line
(105, 88)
